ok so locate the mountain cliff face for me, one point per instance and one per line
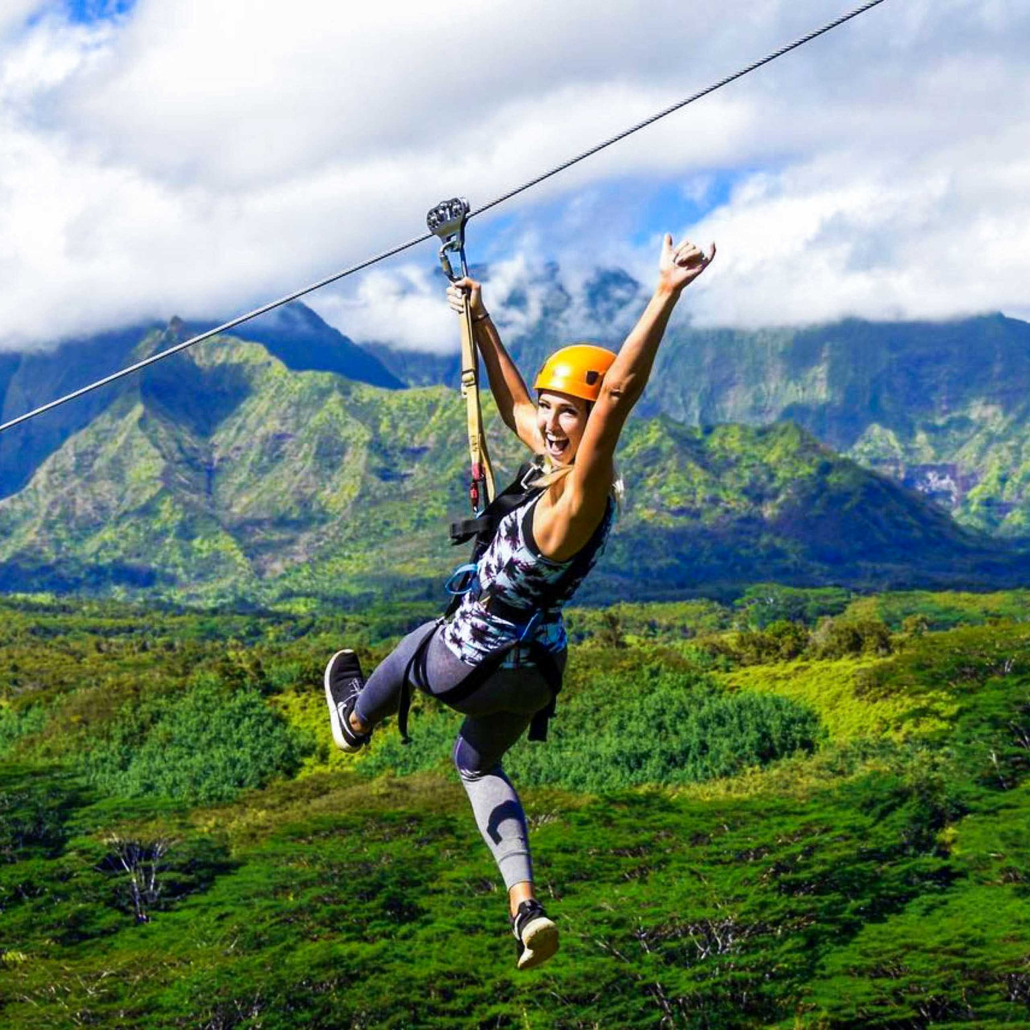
(222, 474)
(941, 407)
(294, 333)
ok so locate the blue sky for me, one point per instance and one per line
(170, 156)
(96, 10)
(82, 12)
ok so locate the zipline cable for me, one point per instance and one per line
(214, 332)
(296, 294)
(675, 107)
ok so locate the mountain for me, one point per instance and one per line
(223, 475)
(30, 379)
(293, 333)
(302, 341)
(941, 407)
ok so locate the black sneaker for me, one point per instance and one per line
(536, 935)
(343, 683)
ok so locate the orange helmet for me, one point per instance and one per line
(577, 370)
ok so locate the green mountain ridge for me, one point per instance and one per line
(941, 407)
(221, 475)
(294, 334)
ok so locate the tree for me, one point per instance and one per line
(142, 862)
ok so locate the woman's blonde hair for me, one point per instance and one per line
(551, 474)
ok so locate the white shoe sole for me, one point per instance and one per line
(334, 716)
(540, 939)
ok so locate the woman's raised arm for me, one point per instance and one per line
(625, 380)
(517, 410)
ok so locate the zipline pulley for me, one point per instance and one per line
(447, 221)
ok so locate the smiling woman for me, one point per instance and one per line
(499, 659)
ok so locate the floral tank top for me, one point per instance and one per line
(513, 571)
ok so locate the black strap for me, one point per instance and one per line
(552, 673)
(466, 529)
(483, 527)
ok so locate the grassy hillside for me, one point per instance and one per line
(808, 823)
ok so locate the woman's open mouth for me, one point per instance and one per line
(556, 445)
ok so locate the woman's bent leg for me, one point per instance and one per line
(382, 690)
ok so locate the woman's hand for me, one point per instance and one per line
(457, 291)
(681, 265)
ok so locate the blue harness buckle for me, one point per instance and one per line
(469, 570)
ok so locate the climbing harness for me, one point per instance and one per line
(296, 294)
(465, 580)
(447, 221)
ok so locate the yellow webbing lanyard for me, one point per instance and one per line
(481, 490)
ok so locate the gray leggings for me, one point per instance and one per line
(497, 714)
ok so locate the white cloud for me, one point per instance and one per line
(197, 158)
(14, 14)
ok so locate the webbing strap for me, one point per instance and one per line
(481, 489)
(511, 497)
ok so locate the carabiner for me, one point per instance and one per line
(447, 220)
(471, 570)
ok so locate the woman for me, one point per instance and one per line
(540, 553)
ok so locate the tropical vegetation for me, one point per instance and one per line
(795, 808)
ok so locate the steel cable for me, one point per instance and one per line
(296, 294)
(675, 107)
(214, 332)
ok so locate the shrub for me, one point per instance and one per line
(915, 625)
(781, 641)
(838, 638)
(32, 815)
(671, 730)
(15, 724)
(205, 745)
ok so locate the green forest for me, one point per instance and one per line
(799, 808)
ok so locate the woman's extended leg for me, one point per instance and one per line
(495, 803)
(356, 706)
(502, 822)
